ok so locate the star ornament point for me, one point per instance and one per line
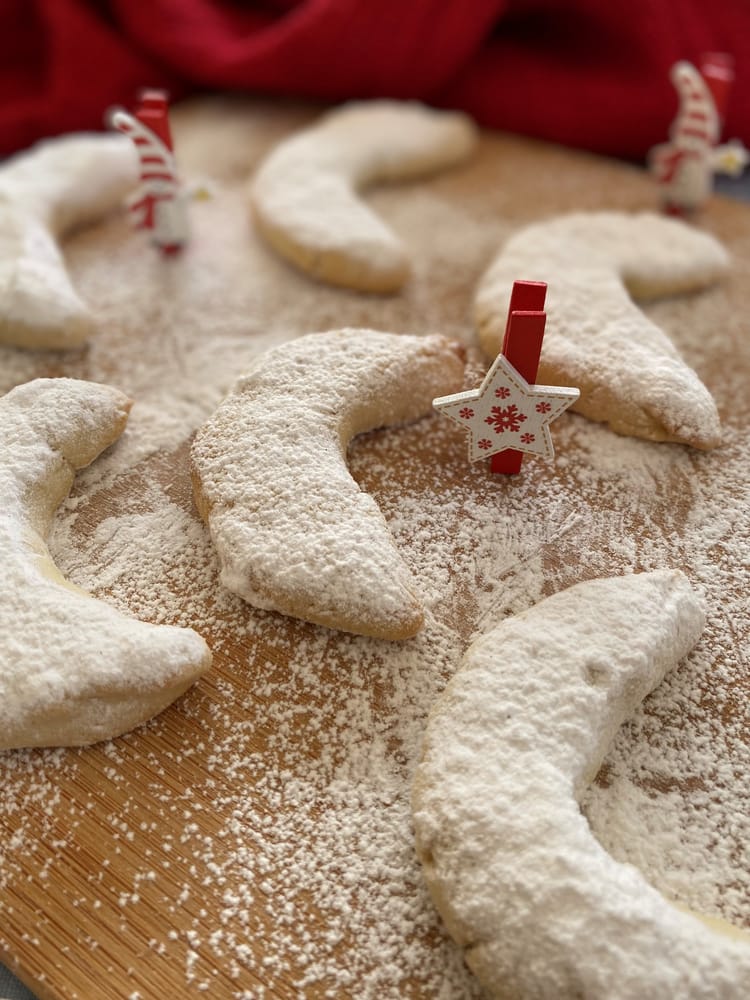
(506, 412)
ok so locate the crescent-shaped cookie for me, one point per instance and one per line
(54, 187)
(540, 908)
(73, 670)
(629, 372)
(305, 196)
(293, 530)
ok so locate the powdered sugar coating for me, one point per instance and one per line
(54, 187)
(305, 195)
(74, 670)
(539, 907)
(293, 530)
(629, 372)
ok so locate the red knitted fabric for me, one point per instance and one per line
(586, 73)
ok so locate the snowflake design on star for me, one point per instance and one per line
(522, 423)
(505, 418)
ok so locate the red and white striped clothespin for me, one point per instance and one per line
(684, 167)
(159, 202)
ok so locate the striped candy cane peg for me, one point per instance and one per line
(158, 204)
(684, 166)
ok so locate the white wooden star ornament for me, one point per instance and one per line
(506, 412)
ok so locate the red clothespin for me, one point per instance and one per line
(684, 166)
(159, 203)
(522, 346)
(717, 69)
(153, 112)
(508, 415)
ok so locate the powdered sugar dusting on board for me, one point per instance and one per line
(266, 839)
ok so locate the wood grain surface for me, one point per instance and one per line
(254, 840)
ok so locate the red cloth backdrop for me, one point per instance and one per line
(587, 73)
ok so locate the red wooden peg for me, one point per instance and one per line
(159, 203)
(509, 406)
(153, 112)
(522, 346)
(717, 69)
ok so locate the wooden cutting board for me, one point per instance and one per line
(255, 840)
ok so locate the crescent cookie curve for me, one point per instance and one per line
(54, 187)
(540, 908)
(305, 196)
(629, 372)
(293, 530)
(73, 669)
